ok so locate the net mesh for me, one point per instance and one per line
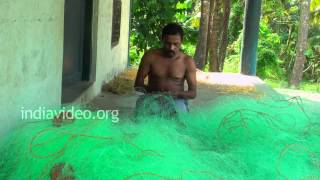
(233, 137)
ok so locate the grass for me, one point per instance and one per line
(304, 86)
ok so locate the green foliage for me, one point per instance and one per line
(315, 12)
(232, 62)
(277, 39)
(189, 48)
(268, 63)
(312, 65)
(304, 85)
(148, 19)
(235, 20)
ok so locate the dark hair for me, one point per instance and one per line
(172, 29)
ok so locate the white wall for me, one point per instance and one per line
(109, 61)
(31, 54)
(31, 36)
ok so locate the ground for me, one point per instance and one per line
(210, 86)
(303, 94)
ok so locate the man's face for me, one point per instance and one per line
(171, 44)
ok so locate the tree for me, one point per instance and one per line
(224, 34)
(213, 38)
(301, 45)
(201, 49)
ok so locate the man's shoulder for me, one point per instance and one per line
(189, 62)
(188, 59)
(150, 54)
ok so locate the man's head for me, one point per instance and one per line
(172, 36)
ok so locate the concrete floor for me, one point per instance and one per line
(210, 86)
(72, 92)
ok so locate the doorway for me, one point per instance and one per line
(77, 61)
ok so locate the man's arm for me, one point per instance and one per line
(142, 73)
(191, 81)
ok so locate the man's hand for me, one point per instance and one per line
(143, 71)
(140, 90)
(191, 80)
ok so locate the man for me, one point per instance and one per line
(167, 69)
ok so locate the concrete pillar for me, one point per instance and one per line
(250, 37)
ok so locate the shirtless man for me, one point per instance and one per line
(167, 69)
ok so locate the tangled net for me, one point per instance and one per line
(234, 137)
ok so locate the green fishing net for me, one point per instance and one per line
(232, 137)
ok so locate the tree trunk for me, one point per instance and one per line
(213, 39)
(201, 50)
(301, 46)
(224, 38)
(284, 52)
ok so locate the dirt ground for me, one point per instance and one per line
(210, 86)
(303, 94)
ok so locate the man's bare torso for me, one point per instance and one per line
(166, 74)
(168, 68)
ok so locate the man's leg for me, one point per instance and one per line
(181, 105)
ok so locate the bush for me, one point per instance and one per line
(268, 62)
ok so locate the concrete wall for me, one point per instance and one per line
(109, 61)
(30, 56)
(31, 53)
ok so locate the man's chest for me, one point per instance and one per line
(167, 69)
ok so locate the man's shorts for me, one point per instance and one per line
(160, 104)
